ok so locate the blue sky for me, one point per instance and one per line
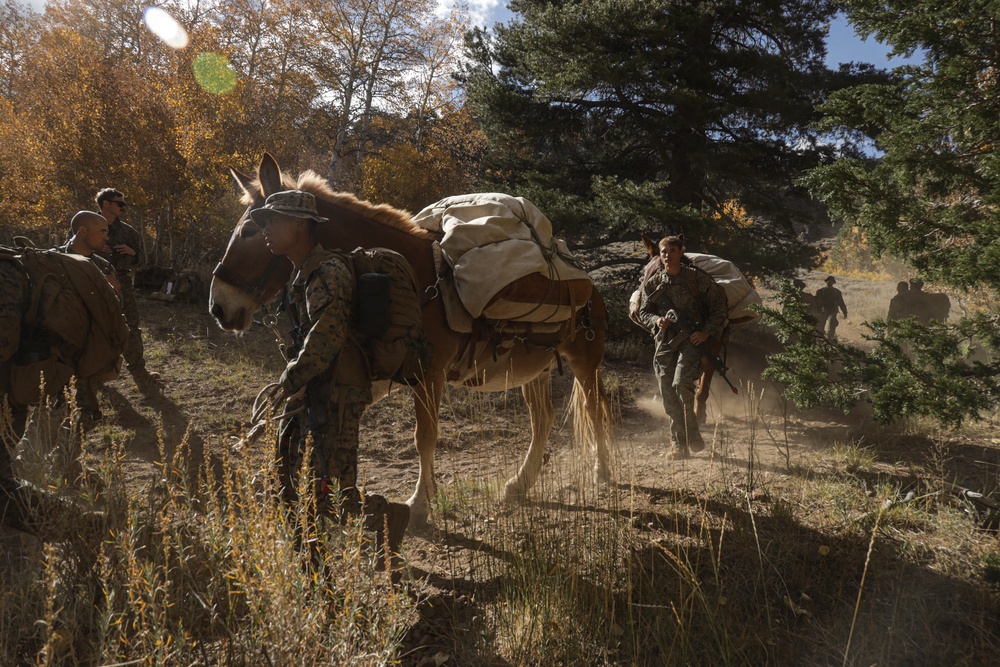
(844, 45)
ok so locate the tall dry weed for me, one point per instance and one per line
(198, 567)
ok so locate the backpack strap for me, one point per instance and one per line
(692, 281)
(35, 297)
(12, 257)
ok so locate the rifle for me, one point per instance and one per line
(683, 326)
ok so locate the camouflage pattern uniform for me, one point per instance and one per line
(331, 367)
(676, 361)
(125, 267)
(18, 504)
(86, 394)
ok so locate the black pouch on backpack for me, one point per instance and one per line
(372, 300)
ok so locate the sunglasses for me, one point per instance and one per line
(120, 203)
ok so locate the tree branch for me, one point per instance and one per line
(618, 262)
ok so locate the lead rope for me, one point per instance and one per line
(268, 400)
(264, 406)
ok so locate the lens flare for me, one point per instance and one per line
(213, 73)
(166, 27)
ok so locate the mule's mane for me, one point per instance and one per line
(311, 182)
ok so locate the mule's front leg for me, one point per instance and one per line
(538, 396)
(426, 400)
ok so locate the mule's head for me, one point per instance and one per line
(248, 275)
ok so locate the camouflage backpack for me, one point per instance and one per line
(387, 314)
(386, 322)
(72, 323)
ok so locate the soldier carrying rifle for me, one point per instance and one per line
(683, 307)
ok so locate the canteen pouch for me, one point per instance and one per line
(373, 304)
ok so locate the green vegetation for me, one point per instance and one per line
(905, 369)
(930, 195)
(616, 117)
(927, 197)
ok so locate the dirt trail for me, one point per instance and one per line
(756, 443)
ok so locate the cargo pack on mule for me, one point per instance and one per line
(501, 272)
(72, 323)
(386, 315)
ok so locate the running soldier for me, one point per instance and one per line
(682, 306)
(328, 365)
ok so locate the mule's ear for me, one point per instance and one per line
(650, 246)
(244, 181)
(269, 175)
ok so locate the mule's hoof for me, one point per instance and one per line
(514, 492)
(419, 518)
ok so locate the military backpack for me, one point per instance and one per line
(386, 320)
(72, 323)
(388, 316)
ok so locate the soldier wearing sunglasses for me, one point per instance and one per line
(124, 251)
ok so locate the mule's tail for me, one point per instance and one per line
(590, 413)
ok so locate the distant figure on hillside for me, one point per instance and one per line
(807, 298)
(829, 300)
(928, 306)
(899, 305)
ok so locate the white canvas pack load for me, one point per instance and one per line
(506, 264)
(740, 293)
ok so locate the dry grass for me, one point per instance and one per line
(772, 551)
(195, 567)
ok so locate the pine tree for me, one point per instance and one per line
(621, 115)
(928, 193)
(932, 195)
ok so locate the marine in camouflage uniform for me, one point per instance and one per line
(327, 362)
(101, 263)
(677, 361)
(829, 300)
(329, 365)
(87, 391)
(112, 205)
(22, 506)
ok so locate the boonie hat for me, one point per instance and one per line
(830, 280)
(294, 203)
